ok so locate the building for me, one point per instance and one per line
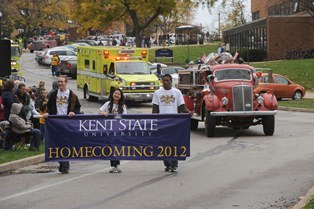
(278, 27)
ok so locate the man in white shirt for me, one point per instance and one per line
(169, 100)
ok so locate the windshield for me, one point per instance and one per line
(132, 68)
(14, 51)
(233, 74)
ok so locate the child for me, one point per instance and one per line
(115, 105)
(43, 109)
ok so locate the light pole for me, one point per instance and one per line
(0, 25)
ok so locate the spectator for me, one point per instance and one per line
(23, 98)
(54, 87)
(221, 48)
(43, 100)
(116, 105)
(8, 97)
(20, 126)
(68, 105)
(174, 104)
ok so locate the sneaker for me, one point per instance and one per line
(174, 169)
(167, 169)
(115, 169)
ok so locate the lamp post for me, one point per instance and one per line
(0, 25)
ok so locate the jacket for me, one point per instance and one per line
(8, 98)
(73, 101)
(18, 124)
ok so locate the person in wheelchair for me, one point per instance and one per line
(20, 127)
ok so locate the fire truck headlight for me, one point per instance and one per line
(224, 100)
(260, 100)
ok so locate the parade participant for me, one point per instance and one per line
(63, 101)
(169, 100)
(55, 61)
(116, 105)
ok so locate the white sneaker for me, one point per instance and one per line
(115, 170)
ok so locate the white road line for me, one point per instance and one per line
(55, 184)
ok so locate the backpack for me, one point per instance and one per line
(54, 61)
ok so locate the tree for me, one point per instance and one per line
(287, 7)
(236, 16)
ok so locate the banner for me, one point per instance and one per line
(118, 137)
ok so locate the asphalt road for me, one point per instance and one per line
(236, 169)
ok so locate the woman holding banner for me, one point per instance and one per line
(115, 105)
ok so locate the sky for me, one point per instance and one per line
(209, 21)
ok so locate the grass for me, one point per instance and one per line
(12, 155)
(304, 103)
(309, 204)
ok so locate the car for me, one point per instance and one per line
(172, 70)
(68, 67)
(89, 42)
(40, 55)
(279, 85)
(63, 53)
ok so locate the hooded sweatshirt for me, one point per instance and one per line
(19, 125)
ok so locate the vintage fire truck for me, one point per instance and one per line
(223, 95)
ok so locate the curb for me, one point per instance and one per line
(6, 167)
(304, 200)
(294, 109)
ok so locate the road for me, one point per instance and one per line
(237, 169)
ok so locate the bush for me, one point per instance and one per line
(252, 55)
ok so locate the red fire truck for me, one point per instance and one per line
(223, 95)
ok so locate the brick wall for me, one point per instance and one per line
(262, 6)
(288, 33)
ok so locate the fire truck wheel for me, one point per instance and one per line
(194, 124)
(269, 125)
(210, 125)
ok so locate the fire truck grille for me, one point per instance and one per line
(242, 98)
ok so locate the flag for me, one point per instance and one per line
(203, 57)
(235, 56)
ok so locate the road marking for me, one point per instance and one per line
(55, 184)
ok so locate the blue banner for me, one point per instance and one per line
(118, 137)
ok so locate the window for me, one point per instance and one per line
(86, 64)
(94, 64)
(281, 80)
(70, 53)
(255, 15)
(111, 69)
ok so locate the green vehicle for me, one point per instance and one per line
(15, 58)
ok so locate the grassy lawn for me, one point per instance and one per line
(11, 155)
(304, 103)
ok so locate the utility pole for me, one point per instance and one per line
(219, 25)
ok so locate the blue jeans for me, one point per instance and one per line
(36, 137)
(53, 70)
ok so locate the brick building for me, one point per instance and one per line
(277, 27)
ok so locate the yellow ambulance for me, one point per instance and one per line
(101, 69)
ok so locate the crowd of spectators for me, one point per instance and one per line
(13, 118)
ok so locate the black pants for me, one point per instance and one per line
(171, 163)
(65, 165)
(114, 163)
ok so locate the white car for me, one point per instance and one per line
(172, 70)
(63, 53)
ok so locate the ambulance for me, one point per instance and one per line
(101, 69)
(15, 58)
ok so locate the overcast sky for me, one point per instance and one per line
(209, 21)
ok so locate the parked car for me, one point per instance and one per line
(279, 85)
(172, 70)
(89, 42)
(40, 55)
(68, 67)
(63, 53)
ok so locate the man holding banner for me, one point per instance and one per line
(63, 102)
(169, 100)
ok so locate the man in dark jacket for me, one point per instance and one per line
(63, 102)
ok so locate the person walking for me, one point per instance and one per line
(55, 61)
(63, 101)
(116, 105)
(168, 100)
